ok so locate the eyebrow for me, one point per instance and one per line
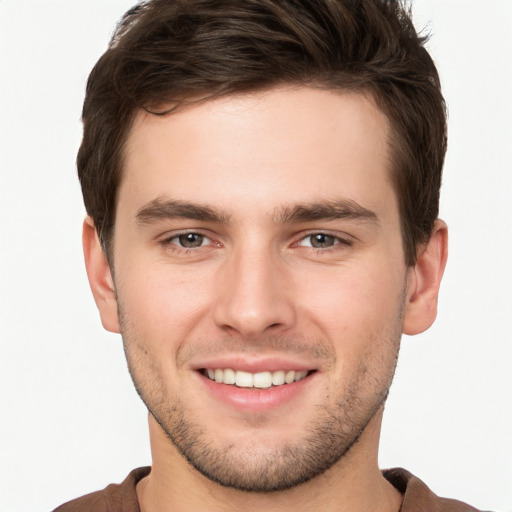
(167, 209)
(325, 210)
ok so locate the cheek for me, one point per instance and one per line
(360, 315)
(353, 297)
(160, 310)
(354, 308)
(162, 303)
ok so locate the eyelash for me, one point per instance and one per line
(337, 241)
(169, 243)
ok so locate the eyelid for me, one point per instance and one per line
(167, 240)
(341, 238)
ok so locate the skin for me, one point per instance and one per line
(254, 291)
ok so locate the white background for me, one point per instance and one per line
(70, 420)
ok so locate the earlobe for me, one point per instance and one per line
(424, 280)
(100, 277)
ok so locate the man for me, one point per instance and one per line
(262, 183)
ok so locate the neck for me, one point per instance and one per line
(353, 484)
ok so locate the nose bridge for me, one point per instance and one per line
(253, 296)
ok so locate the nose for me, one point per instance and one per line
(254, 294)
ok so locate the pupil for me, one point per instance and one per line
(191, 240)
(320, 240)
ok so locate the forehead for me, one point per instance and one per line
(261, 150)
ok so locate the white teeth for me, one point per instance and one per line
(289, 377)
(229, 376)
(244, 379)
(300, 375)
(278, 378)
(261, 380)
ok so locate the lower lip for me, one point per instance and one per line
(253, 399)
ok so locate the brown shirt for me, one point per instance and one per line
(123, 498)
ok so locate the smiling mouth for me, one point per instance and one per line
(260, 380)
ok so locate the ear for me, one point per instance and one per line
(423, 282)
(100, 277)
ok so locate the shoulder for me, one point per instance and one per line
(115, 497)
(418, 497)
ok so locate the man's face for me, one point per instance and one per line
(257, 241)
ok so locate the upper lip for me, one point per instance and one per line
(252, 365)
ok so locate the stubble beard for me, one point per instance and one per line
(246, 468)
(328, 436)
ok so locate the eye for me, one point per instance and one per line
(321, 241)
(189, 240)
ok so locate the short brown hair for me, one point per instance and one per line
(166, 52)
